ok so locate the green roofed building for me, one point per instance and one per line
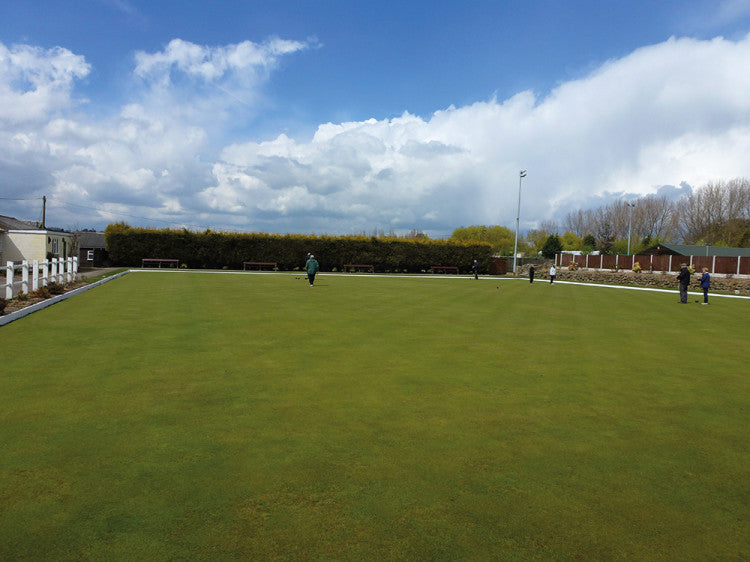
(688, 250)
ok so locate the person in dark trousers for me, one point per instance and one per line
(312, 268)
(475, 269)
(705, 284)
(684, 279)
(531, 273)
(552, 273)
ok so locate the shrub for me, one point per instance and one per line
(3, 304)
(55, 289)
(41, 293)
(637, 267)
(573, 266)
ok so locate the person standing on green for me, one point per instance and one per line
(312, 268)
(684, 278)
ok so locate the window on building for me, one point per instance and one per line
(55, 246)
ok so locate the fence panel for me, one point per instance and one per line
(625, 262)
(699, 262)
(608, 261)
(715, 264)
(644, 260)
(594, 262)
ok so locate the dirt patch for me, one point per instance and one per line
(17, 303)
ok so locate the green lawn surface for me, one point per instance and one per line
(178, 415)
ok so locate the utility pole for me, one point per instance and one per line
(630, 220)
(44, 212)
(521, 175)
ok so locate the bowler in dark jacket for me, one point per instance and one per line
(312, 268)
(705, 284)
(684, 278)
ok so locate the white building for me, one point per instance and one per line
(26, 240)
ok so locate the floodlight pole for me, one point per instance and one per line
(521, 175)
(630, 218)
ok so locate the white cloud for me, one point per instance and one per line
(35, 82)
(212, 63)
(673, 112)
(665, 114)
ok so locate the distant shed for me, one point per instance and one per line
(93, 252)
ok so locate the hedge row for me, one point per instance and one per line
(214, 250)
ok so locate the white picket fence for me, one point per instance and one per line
(26, 277)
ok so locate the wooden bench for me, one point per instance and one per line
(259, 264)
(159, 261)
(444, 268)
(359, 267)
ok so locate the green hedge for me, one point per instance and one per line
(214, 250)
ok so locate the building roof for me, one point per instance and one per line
(687, 250)
(88, 239)
(10, 223)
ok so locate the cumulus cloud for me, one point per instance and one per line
(148, 158)
(35, 82)
(665, 114)
(671, 114)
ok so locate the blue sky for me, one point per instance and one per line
(343, 117)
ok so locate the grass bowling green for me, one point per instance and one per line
(188, 415)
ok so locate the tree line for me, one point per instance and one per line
(717, 213)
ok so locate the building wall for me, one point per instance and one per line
(25, 245)
(19, 245)
(100, 257)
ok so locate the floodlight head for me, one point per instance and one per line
(523, 173)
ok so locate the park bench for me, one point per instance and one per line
(159, 261)
(444, 268)
(359, 267)
(259, 264)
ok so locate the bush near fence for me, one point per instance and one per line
(663, 280)
(214, 250)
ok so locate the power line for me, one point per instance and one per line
(118, 214)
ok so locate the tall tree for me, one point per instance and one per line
(579, 222)
(705, 213)
(571, 242)
(605, 237)
(500, 237)
(551, 246)
(655, 217)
